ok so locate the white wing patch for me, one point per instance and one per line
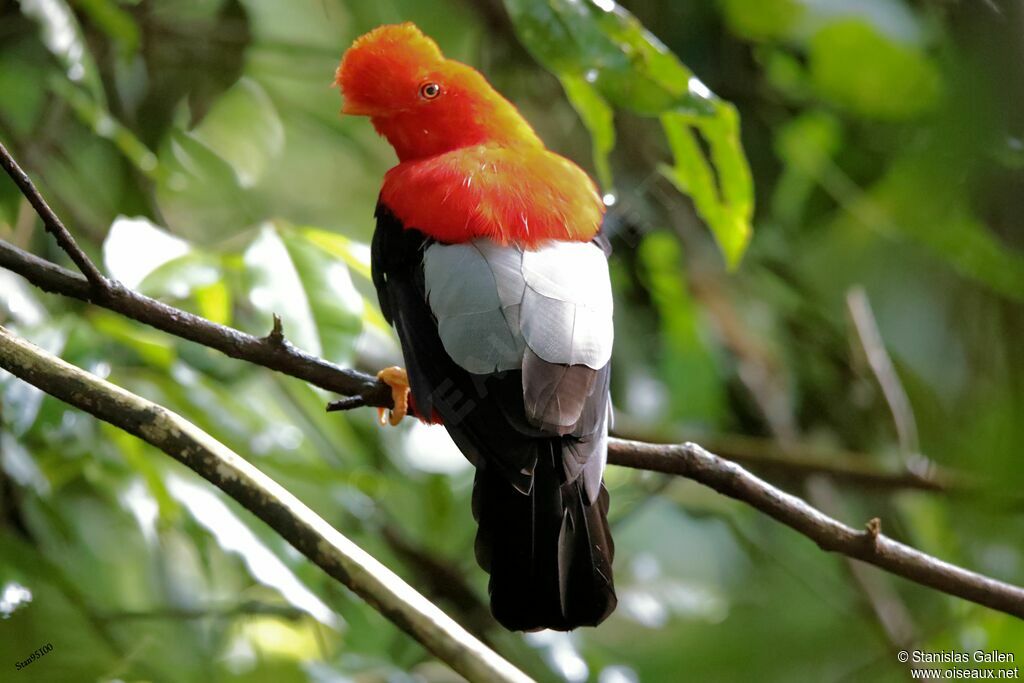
(491, 302)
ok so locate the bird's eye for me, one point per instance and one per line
(429, 91)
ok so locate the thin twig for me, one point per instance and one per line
(309, 533)
(870, 339)
(52, 223)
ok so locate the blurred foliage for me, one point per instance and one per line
(195, 148)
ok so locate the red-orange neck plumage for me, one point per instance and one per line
(470, 165)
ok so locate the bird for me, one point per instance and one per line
(489, 260)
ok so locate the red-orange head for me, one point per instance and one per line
(422, 102)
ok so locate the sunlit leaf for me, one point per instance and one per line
(336, 304)
(19, 301)
(357, 257)
(135, 248)
(214, 302)
(21, 401)
(140, 457)
(180, 277)
(720, 186)
(276, 288)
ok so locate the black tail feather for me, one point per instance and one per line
(549, 553)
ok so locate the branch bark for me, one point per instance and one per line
(301, 527)
(871, 546)
(272, 351)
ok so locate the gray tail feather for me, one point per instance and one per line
(549, 552)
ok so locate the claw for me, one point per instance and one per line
(396, 378)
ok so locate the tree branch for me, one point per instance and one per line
(871, 546)
(301, 527)
(272, 351)
(52, 223)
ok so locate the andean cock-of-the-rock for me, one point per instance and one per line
(489, 261)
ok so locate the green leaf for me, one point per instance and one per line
(201, 190)
(21, 400)
(356, 256)
(686, 362)
(214, 302)
(946, 224)
(605, 58)
(134, 248)
(243, 128)
(20, 75)
(54, 612)
(152, 347)
(275, 287)
(612, 50)
(854, 64)
(197, 277)
(313, 293)
(599, 118)
(725, 203)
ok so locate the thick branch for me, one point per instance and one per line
(52, 222)
(268, 500)
(871, 546)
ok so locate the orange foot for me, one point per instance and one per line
(396, 378)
